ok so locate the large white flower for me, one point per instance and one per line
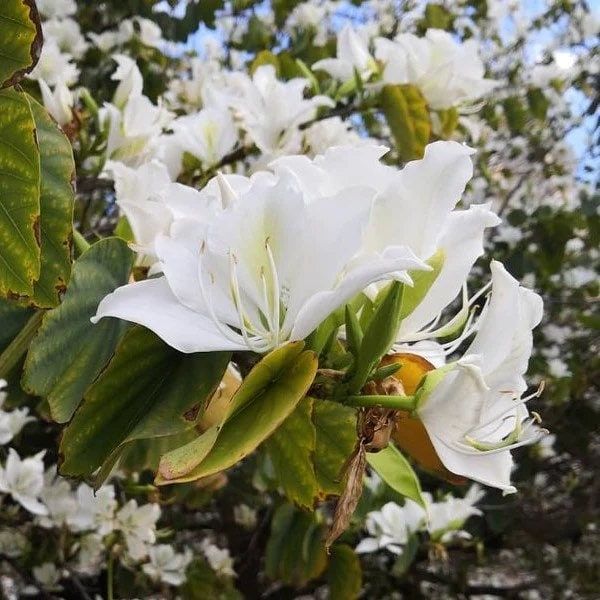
(271, 110)
(267, 269)
(475, 415)
(58, 498)
(95, 509)
(55, 66)
(66, 33)
(130, 80)
(23, 479)
(166, 565)
(414, 207)
(207, 135)
(138, 526)
(446, 72)
(390, 527)
(447, 517)
(352, 54)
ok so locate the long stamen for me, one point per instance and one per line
(237, 301)
(207, 299)
(275, 292)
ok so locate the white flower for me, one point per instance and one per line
(219, 559)
(352, 54)
(138, 526)
(447, 518)
(56, 8)
(12, 422)
(106, 40)
(446, 72)
(245, 516)
(59, 103)
(132, 131)
(267, 269)
(391, 527)
(166, 565)
(208, 135)
(90, 554)
(130, 80)
(475, 415)
(55, 66)
(579, 276)
(95, 510)
(271, 110)
(417, 207)
(48, 575)
(148, 31)
(66, 33)
(58, 498)
(24, 480)
(322, 135)
(558, 368)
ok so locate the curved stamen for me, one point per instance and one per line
(275, 293)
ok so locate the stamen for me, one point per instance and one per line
(275, 292)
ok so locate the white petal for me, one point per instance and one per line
(462, 244)
(151, 303)
(322, 304)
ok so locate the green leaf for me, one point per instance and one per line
(538, 103)
(396, 471)
(516, 114)
(148, 390)
(12, 319)
(20, 40)
(406, 112)
(379, 334)
(448, 121)
(291, 450)
(268, 395)
(436, 16)
(19, 196)
(264, 57)
(422, 282)
(295, 551)
(69, 352)
(57, 197)
(335, 426)
(344, 573)
(202, 582)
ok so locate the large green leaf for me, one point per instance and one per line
(291, 449)
(12, 319)
(295, 552)
(57, 197)
(20, 40)
(422, 281)
(268, 395)
(148, 390)
(19, 196)
(407, 115)
(69, 352)
(344, 574)
(396, 471)
(335, 426)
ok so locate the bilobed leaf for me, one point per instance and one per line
(407, 115)
(69, 352)
(335, 426)
(20, 40)
(147, 390)
(396, 471)
(268, 395)
(57, 197)
(344, 573)
(291, 449)
(19, 196)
